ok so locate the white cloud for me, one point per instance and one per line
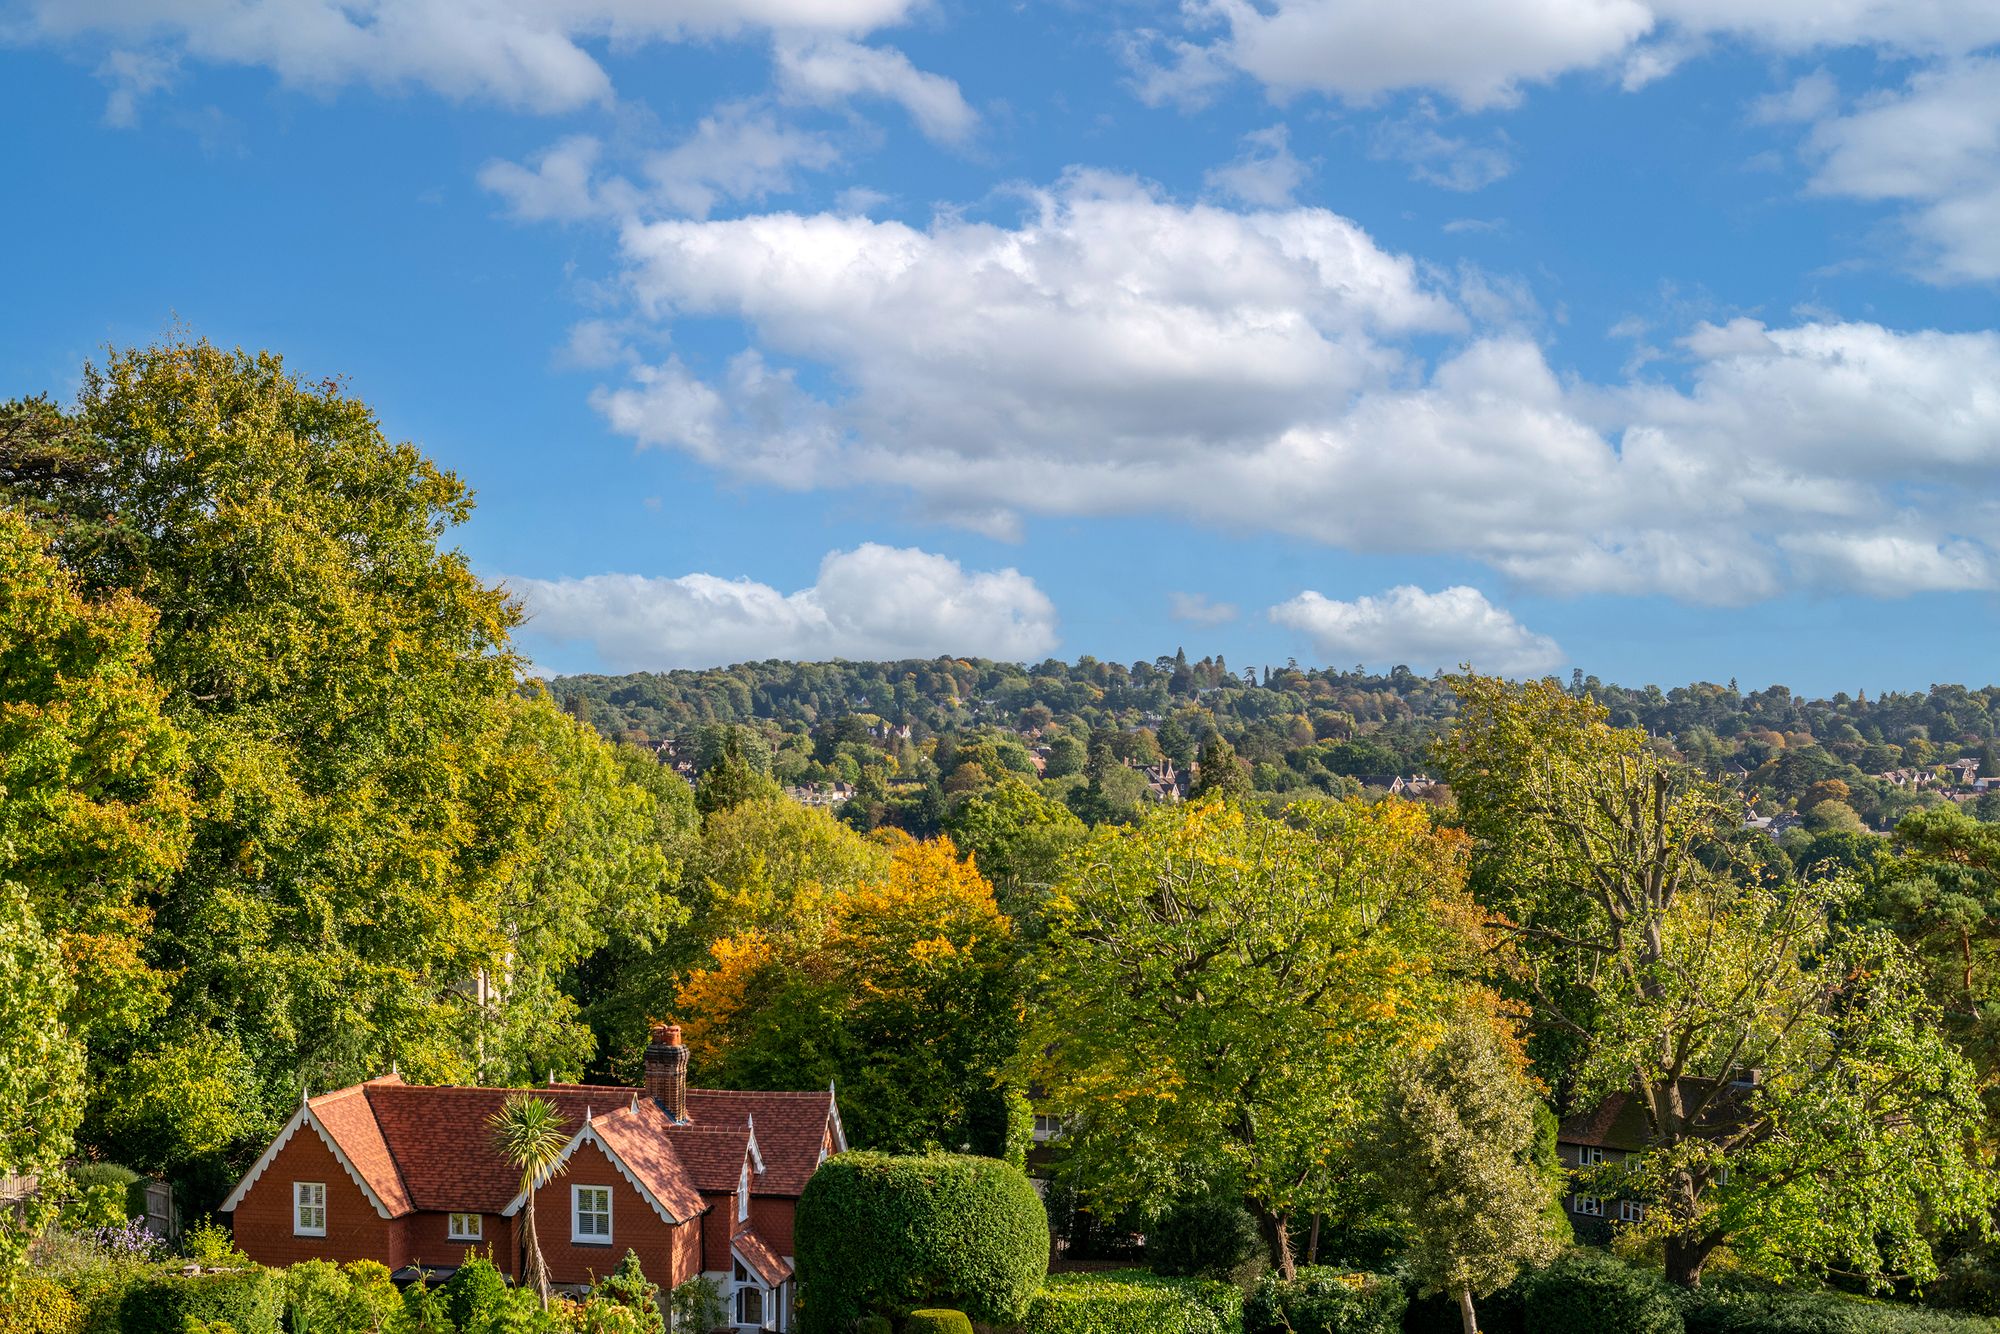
(1453, 163)
(1809, 97)
(1409, 627)
(523, 53)
(557, 188)
(825, 71)
(134, 76)
(1936, 146)
(739, 152)
(1118, 353)
(1198, 609)
(872, 602)
(1479, 53)
(1265, 174)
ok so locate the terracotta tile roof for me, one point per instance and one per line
(345, 1115)
(754, 1251)
(441, 1143)
(713, 1155)
(639, 1135)
(791, 1129)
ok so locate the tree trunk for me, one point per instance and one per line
(1465, 1312)
(1685, 1259)
(1312, 1243)
(1278, 1238)
(537, 1272)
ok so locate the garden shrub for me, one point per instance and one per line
(877, 1232)
(937, 1322)
(424, 1310)
(1587, 1292)
(475, 1297)
(1132, 1301)
(1742, 1307)
(248, 1300)
(874, 1324)
(40, 1305)
(1211, 1235)
(1325, 1301)
(698, 1305)
(628, 1286)
(106, 1194)
(1499, 1312)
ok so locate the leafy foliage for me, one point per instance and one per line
(1586, 1292)
(882, 1233)
(1222, 991)
(1325, 1301)
(1133, 1301)
(937, 1322)
(249, 1301)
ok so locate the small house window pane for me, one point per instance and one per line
(309, 1208)
(467, 1227)
(1590, 1206)
(591, 1214)
(1631, 1211)
(750, 1306)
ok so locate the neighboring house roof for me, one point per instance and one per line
(413, 1147)
(792, 1128)
(1619, 1122)
(757, 1254)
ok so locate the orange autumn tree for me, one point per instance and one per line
(904, 995)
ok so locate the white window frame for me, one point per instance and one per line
(577, 1213)
(465, 1227)
(309, 1208)
(1047, 1127)
(1589, 1206)
(762, 1318)
(1631, 1211)
(1589, 1156)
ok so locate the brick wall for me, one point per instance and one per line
(427, 1240)
(354, 1231)
(634, 1227)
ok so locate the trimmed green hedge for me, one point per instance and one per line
(1741, 1309)
(1589, 1292)
(1325, 1301)
(248, 1301)
(876, 1232)
(1133, 1301)
(937, 1322)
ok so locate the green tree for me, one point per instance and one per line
(1456, 1150)
(1801, 1103)
(531, 1134)
(1019, 838)
(1223, 990)
(1219, 772)
(93, 816)
(732, 778)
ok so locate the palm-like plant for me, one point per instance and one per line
(530, 1132)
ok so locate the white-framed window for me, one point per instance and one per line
(1590, 1206)
(1589, 1157)
(743, 1195)
(1631, 1211)
(590, 1215)
(1047, 1127)
(466, 1227)
(749, 1302)
(309, 1208)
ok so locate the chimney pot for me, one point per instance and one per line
(666, 1070)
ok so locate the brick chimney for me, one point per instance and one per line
(667, 1070)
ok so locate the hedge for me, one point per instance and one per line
(1211, 1235)
(1132, 1301)
(39, 1306)
(1325, 1301)
(1588, 1292)
(937, 1322)
(880, 1233)
(247, 1300)
(1733, 1309)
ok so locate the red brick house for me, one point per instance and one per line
(696, 1181)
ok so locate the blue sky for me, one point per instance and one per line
(1655, 338)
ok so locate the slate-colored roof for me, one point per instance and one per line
(757, 1253)
(1619, 1122)
(791, 1130)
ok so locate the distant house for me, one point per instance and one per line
(1618, 1127)
(697, 1182)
